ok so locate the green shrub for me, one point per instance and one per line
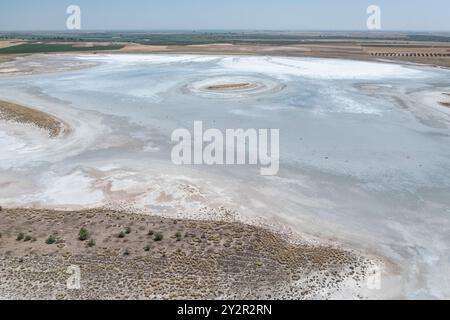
(20, 236)
(150, 232)
(50, 240)
(27, 238)
(127, 230)
(83, 234)
(121, 234)
(147, 248)
(126, 252)
(178, 236)
(158, 236)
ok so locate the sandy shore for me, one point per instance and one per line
(446, 103)
(140, 256)
(20, 114)
(231, 86)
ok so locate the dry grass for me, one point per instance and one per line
(230, 86)
(160, 258)
(9, 43)
(21, 114)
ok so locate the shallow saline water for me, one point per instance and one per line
(364, 149)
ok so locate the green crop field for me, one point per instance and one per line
(44, 48)
(208, 37)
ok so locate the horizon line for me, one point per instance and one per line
(227, 30)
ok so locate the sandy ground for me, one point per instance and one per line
(446, 100)
(142, 257)
(9, 43)
(20, 114)
(231, 86)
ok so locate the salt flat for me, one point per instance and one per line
(364, 150)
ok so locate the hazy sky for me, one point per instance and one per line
(225, 14)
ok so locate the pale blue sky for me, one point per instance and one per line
(413, 15)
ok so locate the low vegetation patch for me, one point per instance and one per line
(83, 234)
(50, 240)
(158, 236)
(49, 47)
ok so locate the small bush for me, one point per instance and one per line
(91, 243)
(121, 234)
(83, 234)
(27, 238)
(50, 240)
(178, 236)
(127, 230)
(126, 252)
(150, 232)
(147, 248)
(158, 236)
(20, 236)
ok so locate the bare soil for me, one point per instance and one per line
(230, 86)
(135, 256)
(24, 115)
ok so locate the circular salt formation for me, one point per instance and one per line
(232, 87)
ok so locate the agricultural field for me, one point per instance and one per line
(50, 47)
